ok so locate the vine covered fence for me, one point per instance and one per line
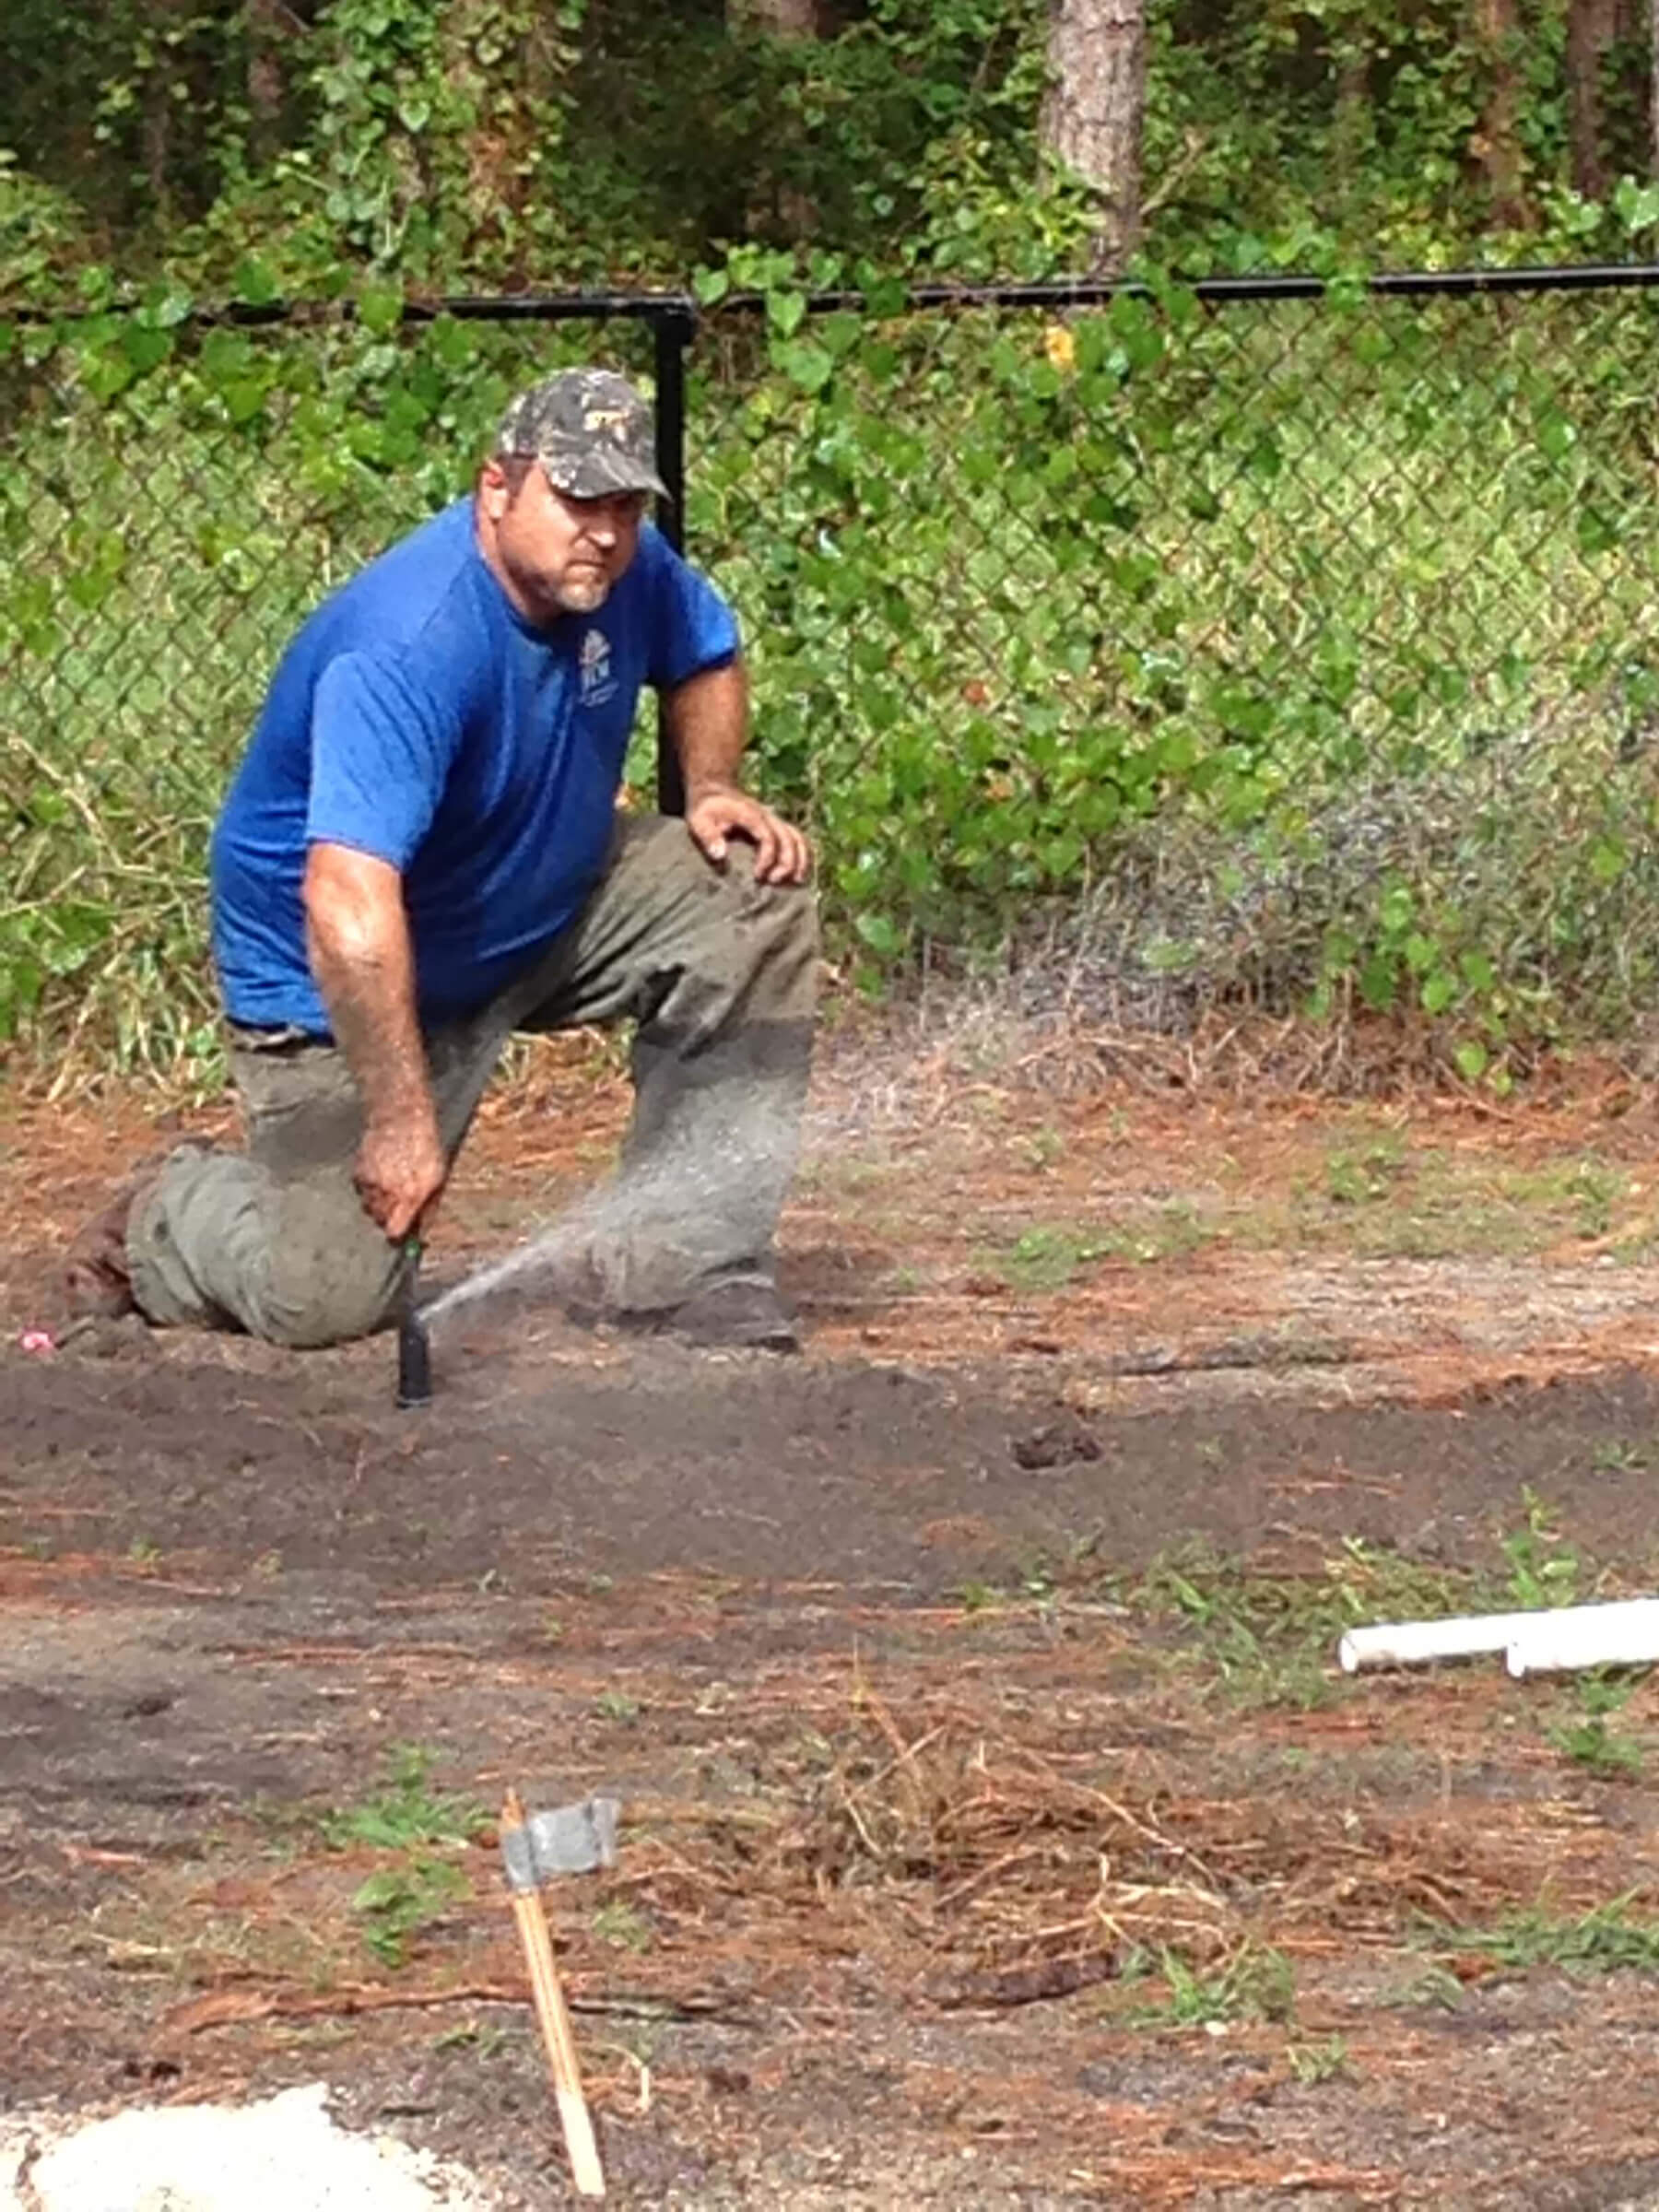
(1303, 635)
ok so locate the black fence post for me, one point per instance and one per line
(673, 330)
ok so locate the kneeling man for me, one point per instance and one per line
(421, 854)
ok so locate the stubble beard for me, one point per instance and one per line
(584, 595)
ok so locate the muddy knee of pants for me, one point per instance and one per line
(221, 1242)
(333, 1275)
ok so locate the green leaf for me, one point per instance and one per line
(243, 401)
(225, 355)
(452, 342)
(1439, 990)
(78, 931)
(1377, 984)
(380, 307)
(878, 934)
(1371, 347)
(785, 311)
(710, 285)
(254, 282)
(21, 982)
(146, 346)
(841, 333)
(1636, 206)
(1470, 1059)
(170, 306)
(1595, 532)
(1477, 971)
(1397, 908)
(806, 365)
(1134, 325)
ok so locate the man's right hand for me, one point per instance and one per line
(400, 1170)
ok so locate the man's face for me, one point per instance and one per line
(556, 555)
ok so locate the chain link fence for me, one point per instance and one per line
(1299, 646)
(1274, 639)
(174, 498)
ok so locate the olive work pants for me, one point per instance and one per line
(720, 973)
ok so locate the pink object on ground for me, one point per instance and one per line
(37, 1340)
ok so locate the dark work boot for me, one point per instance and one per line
(98, 1282)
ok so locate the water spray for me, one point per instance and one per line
(635, 1242)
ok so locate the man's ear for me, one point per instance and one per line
(495, 494)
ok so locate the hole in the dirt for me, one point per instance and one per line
(146, 1707)
(1058, 1443)
(161, 1794)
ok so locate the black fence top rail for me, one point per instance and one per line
(1220, 291)
(679, 313)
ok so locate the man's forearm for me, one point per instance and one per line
(363, 961)
(708, 720)
(375, 1025)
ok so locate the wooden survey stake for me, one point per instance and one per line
(555, 2019)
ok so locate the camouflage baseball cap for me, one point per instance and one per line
(589, 428)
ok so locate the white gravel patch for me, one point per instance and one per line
(286, 2155)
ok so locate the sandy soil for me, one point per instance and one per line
(971, 1857)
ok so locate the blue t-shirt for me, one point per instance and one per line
(419, 718)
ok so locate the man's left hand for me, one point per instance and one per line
(715, 817)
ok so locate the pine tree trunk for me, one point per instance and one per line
(1096, 106)
(269, 24)
(1591, 26)
(156, 133)
(782, 18)
(1500, 143)
(1352, 120)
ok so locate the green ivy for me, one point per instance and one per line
(1304, 653)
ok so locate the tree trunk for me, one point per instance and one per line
(485, 162)
(1499, 143)
(156, 133)
(269, 27)
(1093, 114)
(782, 18)
(1591, 26)
(1351, 120)
(1653, 85)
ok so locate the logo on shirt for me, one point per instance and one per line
(595, 662)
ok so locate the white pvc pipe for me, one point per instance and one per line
(1465, 1636)
(1416, 1642)
(1622, 1635)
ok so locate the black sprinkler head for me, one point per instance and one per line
(414, 1364)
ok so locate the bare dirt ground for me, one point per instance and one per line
(998, 1830)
